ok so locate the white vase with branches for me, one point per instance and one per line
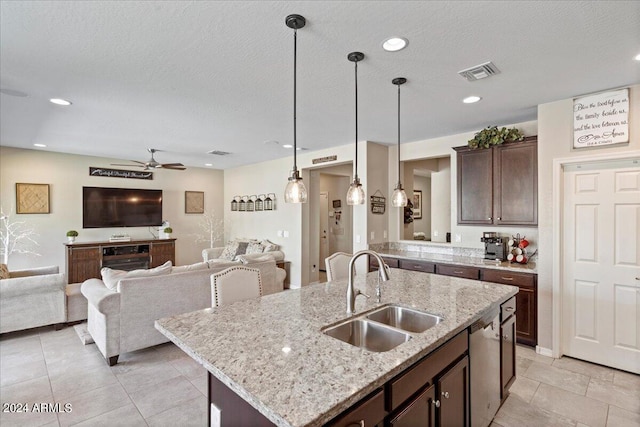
(212, 229)
(16, 237)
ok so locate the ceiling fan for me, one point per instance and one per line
(153, 164)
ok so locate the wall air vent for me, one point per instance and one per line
(481, 71)
(218, 153)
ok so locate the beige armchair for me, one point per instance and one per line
(337, 266)
(235, 284)
(32, 298)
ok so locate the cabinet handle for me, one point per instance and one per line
(357, 424)
(507, 278)
(445, 394)
(506, 337)
(499, 218)
(436, 403)
(489, 218)
(509, 309)
(458, 271)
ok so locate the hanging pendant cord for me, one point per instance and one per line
(398, 134)
(356, 77)
(295, 58)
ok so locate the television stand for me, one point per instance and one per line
(84, 260)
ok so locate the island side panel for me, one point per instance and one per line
(234, 410)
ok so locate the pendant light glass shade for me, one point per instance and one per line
(355, 195)
(399, 198)
(295, 191)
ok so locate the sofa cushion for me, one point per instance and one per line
(269, 246)
(254, 248)
(4, 271)
(252, 258)
(111, 277)
(221, 263)
(190, 267)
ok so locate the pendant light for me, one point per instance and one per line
(295, 191)
(399, 198)
(355, 195)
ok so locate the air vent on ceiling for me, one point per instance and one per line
(218, 153)
(481, 71)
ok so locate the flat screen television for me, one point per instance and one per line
(121, 207)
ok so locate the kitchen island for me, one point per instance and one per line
(272, 352)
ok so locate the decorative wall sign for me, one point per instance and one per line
(417, 204)
(194, 202)
(120, 173)
(337, 204)
(32, 198)
(378, 203)
(324, 159)
(254, 203)
(601, 119)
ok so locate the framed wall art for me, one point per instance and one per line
(601, 119)
(417, 204)
(194, 202)
(32, 198)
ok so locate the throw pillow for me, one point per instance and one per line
(229, 252)
(269, 246)
(190, 267)
(251, 259)
(4, 271)
(254, 248)
(242, 248)
(111, 277)
(219, 264)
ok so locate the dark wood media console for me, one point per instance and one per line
(84, 260)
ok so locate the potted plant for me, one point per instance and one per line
(71, 235)
(494, 136)
(168, 231)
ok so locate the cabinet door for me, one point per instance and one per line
(475, 182)
(369, 412)
(507, 355)
(83, 264)
(458, 271)
(424, 266)
(515, 188)
(526, 314)
(162, 252)
(421, 411)
(453, 388)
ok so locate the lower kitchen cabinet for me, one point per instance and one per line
(453, 393)
(421, 411)
(368, 412)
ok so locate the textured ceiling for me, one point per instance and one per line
(192, 76)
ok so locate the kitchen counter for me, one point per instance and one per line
(530, 267)
(272, 353)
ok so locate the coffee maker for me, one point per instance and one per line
(495, 248)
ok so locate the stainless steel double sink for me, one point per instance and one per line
(383, 328)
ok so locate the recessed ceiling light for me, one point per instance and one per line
(637, 58)
(394, 44)
(208, 164)
(60, 101)
(40, 145)
(471, 99)
(287, 146)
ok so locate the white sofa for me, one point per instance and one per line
(247, 250)
(122, 320)
(32, 298)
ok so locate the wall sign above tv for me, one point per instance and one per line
(120, 173)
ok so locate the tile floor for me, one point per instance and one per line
(161, 386)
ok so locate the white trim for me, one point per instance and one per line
(544, 351)
(556, 230)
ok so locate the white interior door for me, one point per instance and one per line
(601, 264)
(324, 228)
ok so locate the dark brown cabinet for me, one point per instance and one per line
(368, 412)
(391, 262)
(498, 185)
(458, 271)
(526, 307)
(83, 263)
(421, 411)
(453, 392)
(424, 266)
(84, 260)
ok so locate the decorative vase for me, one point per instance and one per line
(71, 239)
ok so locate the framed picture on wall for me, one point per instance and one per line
(194, 202)
(417, 204)
(32, 198)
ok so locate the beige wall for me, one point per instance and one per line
(555, 137)
(67, 174)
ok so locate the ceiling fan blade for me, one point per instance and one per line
(174, 166)
(131, 166)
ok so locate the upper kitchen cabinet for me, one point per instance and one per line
(498, 185)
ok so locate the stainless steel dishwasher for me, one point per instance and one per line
(484, 355)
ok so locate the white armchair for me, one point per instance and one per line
(235, 284)
(32, 298)
(337, 266)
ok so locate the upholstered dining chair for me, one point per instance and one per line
(337, 266)
(235, 284)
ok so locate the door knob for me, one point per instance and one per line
(445, 394)
(436, 403)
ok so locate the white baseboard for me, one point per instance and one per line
(544, 351)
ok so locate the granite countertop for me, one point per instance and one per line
(271, 350)
(530, 267)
